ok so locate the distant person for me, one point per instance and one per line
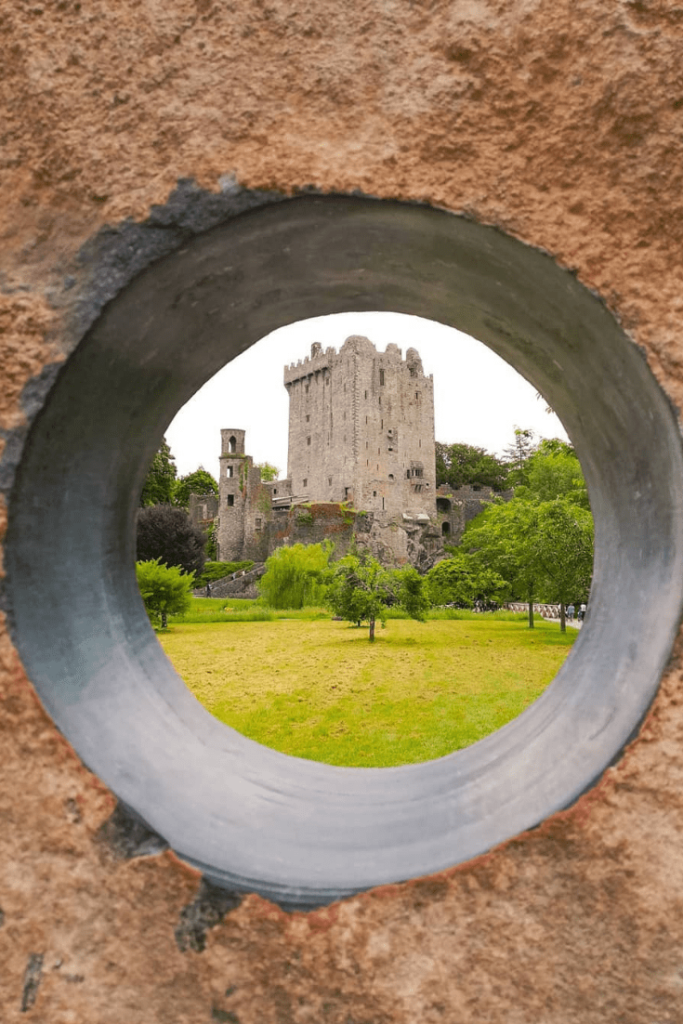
(582, 613)
(208, 590)
(570, 612)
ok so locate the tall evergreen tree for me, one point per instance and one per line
(161, 477)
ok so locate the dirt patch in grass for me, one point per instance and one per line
(319, 690)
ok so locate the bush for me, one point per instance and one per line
(167, 534)
(165, 590)
(296, 576)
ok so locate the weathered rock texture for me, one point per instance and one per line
(563, 124)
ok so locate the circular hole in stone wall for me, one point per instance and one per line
(301, 832)
(421, 455)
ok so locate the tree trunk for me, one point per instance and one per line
(372, 630)
(531, 609)
(164, 620)
(563, 620)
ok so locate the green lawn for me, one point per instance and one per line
(318, 689)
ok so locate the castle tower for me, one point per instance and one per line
(361, 428)
(232, 494)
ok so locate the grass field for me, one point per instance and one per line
(318, 689)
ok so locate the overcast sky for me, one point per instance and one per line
(478, 398)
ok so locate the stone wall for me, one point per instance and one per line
(562, 124)
(361, 428)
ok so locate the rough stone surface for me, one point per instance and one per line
(561, 123)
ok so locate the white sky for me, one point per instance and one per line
(478, 398)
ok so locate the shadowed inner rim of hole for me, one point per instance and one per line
(298, 831)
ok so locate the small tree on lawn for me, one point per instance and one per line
(360, 590)
(165, 590)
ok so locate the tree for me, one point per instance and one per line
(500, 539)
(166, 533)
(268, 472)
(198, 482)
(410, 592)
(165, 590)
(461, 464)
(459, 580)
(361, 590)
(562, 550)
(553, 471)
(161, 477)
(517, 454)
(296, 576)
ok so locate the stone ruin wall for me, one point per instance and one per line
(561, 123)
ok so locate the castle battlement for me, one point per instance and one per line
(357, 345)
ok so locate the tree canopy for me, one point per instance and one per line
(296, 576)
(268, 471)
(198, 482)
(165, 590)
(166, 533)
(161, 478)
(540, 542)
(461, 464)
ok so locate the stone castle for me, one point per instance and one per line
(361, 465)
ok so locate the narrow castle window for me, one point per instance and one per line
(417, 394)
(274, 491)
(308, 440)
(228, 471)
(382, 504)
(391, 476)
(374, 494)
(366, 395)
(305, 481)
(329, 481)
(308, 419)
(231, 500)
(407, 474)
(381, 377)
(306, 388)
(367, 443)
(232, 445)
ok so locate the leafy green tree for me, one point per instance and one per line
(361, 590)
(411, 593)
(296, 576)
(461, 464)
(161, 478)
(166, 533)
(553, 471)
(198, 482)
(165, 590)
(268, 472)
(562, 551)
(461, 581)
(518, 453)
(500, 539)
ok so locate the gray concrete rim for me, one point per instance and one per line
(300, 832)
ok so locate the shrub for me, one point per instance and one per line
(296, 576)
(165, 590)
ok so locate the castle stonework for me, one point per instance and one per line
(361, 465)
(361, 428)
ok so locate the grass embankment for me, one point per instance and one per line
(318, 689)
